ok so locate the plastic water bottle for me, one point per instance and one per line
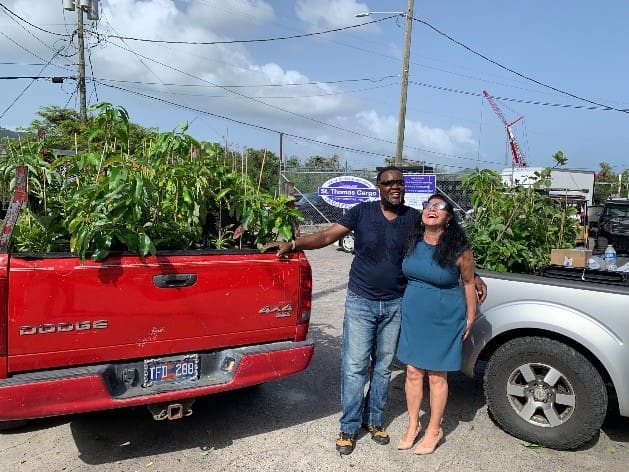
(610, 257)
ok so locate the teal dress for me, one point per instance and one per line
(433, 313)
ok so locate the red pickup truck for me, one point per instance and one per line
(157, 331)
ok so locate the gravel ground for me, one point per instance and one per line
(291, 424)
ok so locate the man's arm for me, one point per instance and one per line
(312, 241)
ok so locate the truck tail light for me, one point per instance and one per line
(4, 260)
(305, 292)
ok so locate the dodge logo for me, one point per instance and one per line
(63, 327)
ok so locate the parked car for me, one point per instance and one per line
(613, 225)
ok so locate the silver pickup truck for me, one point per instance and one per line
(556, 348)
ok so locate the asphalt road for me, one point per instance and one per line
(291, 424)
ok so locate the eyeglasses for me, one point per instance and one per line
(434, 206)
(391, 183)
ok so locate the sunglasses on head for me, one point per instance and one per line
(391, 183)
(434, 206)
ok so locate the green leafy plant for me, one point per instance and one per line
(514, 229)
(120, 194)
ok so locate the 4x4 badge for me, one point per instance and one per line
(280, 311)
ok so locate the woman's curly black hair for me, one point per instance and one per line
(452, 242)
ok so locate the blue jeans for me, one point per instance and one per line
(370, 334)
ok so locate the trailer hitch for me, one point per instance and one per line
(170, 411)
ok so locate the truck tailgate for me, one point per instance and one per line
(62, 312)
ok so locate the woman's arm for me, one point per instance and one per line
(466, 266)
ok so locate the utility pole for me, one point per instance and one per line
(405, 66)
(280, 181)
(82, 92)
(91, 7)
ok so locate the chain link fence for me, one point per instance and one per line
(304, 183)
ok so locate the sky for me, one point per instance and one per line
(561, 66)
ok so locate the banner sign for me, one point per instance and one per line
(346, 191)
(418, 188)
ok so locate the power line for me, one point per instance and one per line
(563, 92)
(271, 130)
(269, 105)
(28, 86)
(269, 97)
(292, 84)
(22, 47)
(10, 12)
(349, 131)
(241, 41)
(89, 58)
(515, 100)
(36, 77)
(420, 84)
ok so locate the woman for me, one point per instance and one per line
(436, 315)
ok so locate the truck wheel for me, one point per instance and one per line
(347, 243)
(544, 392)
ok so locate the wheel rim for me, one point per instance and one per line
(348, 243)
(541, 395)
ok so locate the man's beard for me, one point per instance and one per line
(387, 205)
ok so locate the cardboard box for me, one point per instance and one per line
(570, 257)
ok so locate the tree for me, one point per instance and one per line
(560, 158)
(604, 182)
(323, 163)
(62, 128)
(263, 168)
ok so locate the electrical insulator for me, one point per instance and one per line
(68, 5)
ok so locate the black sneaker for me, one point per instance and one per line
(378, 434)
(345, 443)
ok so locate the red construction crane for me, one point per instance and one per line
(518, 157)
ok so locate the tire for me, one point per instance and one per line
(601, 243)
(347, 243)
(544, 392)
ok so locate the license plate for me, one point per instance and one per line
(171, 369)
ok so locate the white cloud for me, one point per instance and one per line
(329, 14)
(227, 17)
(225, 64)
(421, 141)
(222, 64)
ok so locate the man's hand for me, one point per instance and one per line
(283, 247)
(481, 289)
(238, 232)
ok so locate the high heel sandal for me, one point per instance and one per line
(404, 445)
(423, 448)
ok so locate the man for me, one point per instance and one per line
(373, 304)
